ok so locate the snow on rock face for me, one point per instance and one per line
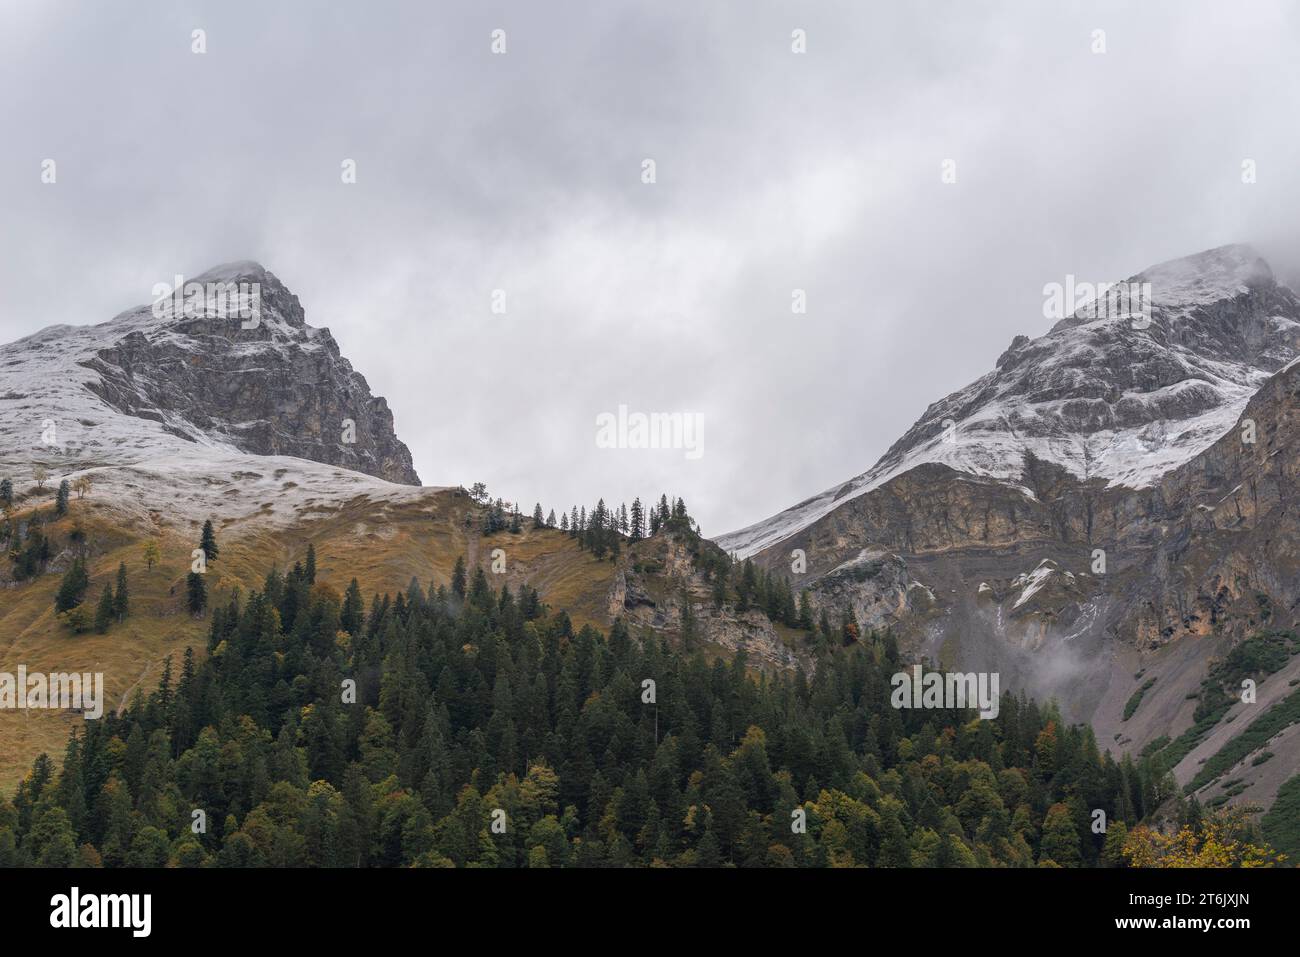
(152, 385)
(1105, 399)
(1030, 584)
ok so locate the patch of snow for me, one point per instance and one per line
(1034, 581)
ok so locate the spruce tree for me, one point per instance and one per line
(1060, 839)
(458, 577)
(61, 499)
(745, 591)
(538, 521)
(208, 542)
(121, 601)
(354, 609)
(637, 521)
(104, 611)
(196, 592)
(310, 571)
(720, 590)
(73, 587)
(805, 610)
(6, 492)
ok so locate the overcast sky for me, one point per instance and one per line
(775, 171)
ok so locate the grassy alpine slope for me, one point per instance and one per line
(382, 544)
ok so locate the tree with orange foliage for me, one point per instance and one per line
(1225, 839)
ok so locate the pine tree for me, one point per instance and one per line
(73, 587)
(6, 492)
(805, 610)
(196, 591)
(208, 542)
(78, 619)
(637, 523)
(1112, 851)
(104, 611)
(745, 591)
(550, 519)
(458, 577)
(596, 530)
(538, 521)
(1060, 840)
(354, 609)
(61, 499)
(719, 590)
(121, 601)
(564, 523)
(310, 570)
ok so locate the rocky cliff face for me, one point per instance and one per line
(1115, 498)
(660, 589)
(152, 381)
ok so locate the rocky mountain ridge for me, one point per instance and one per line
(155, 382)
(1101, 398)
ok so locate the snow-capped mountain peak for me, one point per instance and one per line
(1119, 398)
(221, 364)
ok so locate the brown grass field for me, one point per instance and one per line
(381, 544)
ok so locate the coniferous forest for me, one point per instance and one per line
(474, 727)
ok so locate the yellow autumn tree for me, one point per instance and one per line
(1224, 839)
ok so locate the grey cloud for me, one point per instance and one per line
(521, 172)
